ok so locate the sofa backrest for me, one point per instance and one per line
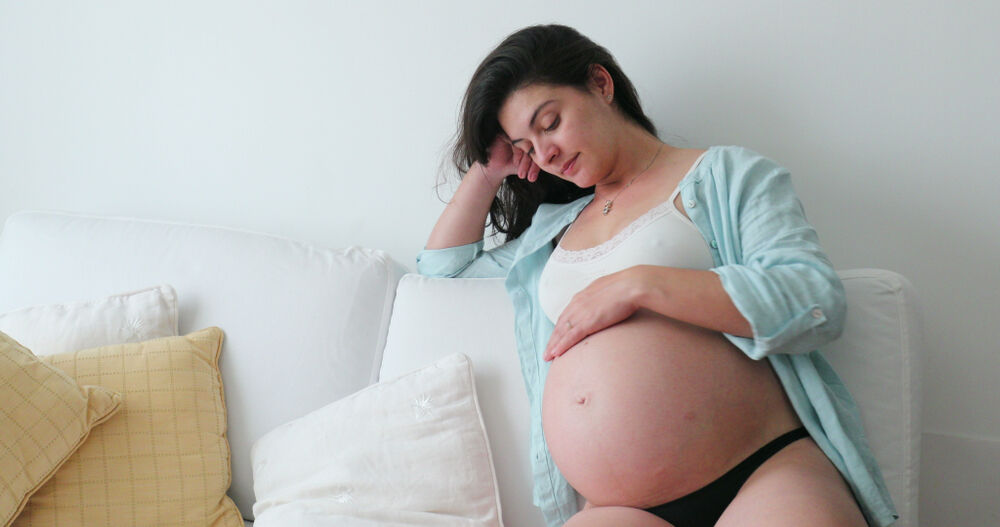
(878, 357)
(304, 326)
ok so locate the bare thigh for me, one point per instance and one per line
(797, 486)
(615, 516)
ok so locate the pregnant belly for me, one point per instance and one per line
(651, 409)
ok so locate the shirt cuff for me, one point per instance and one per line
(449, 261)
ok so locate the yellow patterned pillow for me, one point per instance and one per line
(44, 417)
(164, 460)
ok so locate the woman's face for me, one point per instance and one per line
(566, 131)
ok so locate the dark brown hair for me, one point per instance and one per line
(555, 55)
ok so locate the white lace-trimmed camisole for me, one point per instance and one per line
(662, 236)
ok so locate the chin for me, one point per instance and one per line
(583, 181)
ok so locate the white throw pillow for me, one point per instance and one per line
(63, 328)
(411, 451)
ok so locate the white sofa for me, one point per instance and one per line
(306, 326)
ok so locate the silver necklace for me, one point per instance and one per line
(610, 202)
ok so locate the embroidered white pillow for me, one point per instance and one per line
(118, 319)
(410, 451)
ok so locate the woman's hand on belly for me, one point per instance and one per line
(604, 302)
(653, 408)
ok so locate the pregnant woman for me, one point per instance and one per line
(650, 283)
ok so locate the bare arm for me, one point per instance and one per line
(464, 218)
(693, 296)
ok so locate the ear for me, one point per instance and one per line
(600, 83)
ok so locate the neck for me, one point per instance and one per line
(636, 149)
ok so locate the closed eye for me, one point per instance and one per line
(555, 123)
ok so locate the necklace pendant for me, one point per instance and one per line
(607, 207)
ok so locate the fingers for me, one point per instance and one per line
(524, 166)
(603, 303)
(520, 162)
(571, 327)
(527, 169)
(565, 335)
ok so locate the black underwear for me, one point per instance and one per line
(704, 507)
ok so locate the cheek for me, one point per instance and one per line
(596, 148)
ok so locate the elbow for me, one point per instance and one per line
(431, 272)
(426, 270)
(441, 263)
(449, 262)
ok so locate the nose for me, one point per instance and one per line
(546, 152)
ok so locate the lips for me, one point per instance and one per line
(569, 164)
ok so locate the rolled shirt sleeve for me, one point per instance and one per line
(783, 283)
(467, 261)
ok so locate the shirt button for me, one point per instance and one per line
(817, 313)
(714, 244)
(697, 179)
(691, 204)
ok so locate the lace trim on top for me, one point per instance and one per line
(593, 253)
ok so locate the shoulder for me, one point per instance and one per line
(735, 167)
(738, 157)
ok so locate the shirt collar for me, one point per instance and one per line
(549, 219)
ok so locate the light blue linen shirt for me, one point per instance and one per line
(771, 265)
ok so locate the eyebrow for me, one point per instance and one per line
(531, 124)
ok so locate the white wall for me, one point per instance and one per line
(327, 122)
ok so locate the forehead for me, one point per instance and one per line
(516, 111)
